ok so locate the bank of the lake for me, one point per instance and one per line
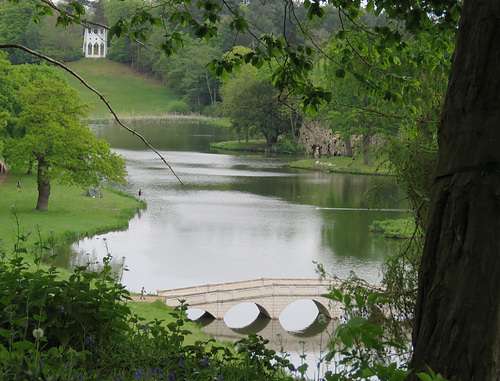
(342, 164)
(248, 146)
(71, 215)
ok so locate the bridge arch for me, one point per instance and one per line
(271, 296)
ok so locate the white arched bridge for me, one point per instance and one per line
(271, 296)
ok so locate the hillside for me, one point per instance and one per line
(129, 93)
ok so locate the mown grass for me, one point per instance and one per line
(342, 164)
(70, 215)
(251, 145)
(128, 92)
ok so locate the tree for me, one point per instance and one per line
(57, 143)
(254, 109)
(457, 319)
(350, 115)
(16, 26)
(62, 44)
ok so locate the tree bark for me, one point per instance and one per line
(457, 316)
(43, 185)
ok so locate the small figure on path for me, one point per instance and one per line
(18, 186)
(143, 294)
(140, 194)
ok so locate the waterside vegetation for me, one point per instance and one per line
(343, 164)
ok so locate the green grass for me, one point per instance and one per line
(251, 145)
(70, 215)
(159, 310)
(342, 164)
(129, 93)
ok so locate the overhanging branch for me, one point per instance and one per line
(73, 73)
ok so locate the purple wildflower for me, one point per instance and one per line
(180, 364)
(220, 378)
(205, 361)
(80, 377)
(120, 377)
(171, 376)
(40, 363)
(138, 374)
(151, 372)
(89, 340)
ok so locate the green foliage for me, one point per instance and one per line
(289, 145)
(56, 144)
(255, 110)
(400, 229)
(178, 107)
(361, 343)
(82, 327)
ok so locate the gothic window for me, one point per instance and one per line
(96, 49)
(89, 49)
(102, 49)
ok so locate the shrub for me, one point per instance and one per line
(178, 107)
(289, 145)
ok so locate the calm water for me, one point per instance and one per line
(238, 217)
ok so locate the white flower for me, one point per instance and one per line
(38, 333)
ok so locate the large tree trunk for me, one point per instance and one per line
(457, 319)
(43, 186)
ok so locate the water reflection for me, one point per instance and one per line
(237, 217)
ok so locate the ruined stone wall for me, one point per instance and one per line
(319, 140)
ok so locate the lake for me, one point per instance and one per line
(238, 216)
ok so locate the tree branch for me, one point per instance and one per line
(57, 63)
(78, 20)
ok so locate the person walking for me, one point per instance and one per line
(140, 194)
(143, 294)
(18, 186)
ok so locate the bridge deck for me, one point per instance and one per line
(230, 286)
(270, 295)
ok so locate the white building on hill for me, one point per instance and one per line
(95, 42)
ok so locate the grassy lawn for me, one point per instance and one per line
(128, 92)
(159, 310)
(342, 164)
(71, 214)
(251, 145)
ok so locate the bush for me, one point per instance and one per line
(398, 229)
(81, 328)
(289, 145)
(178, 107)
